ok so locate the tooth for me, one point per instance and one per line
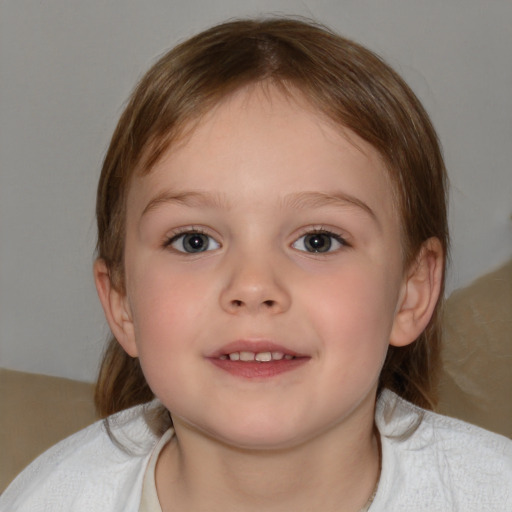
(223, 356)
(277, 356)
(263, 356)
(246, 356)
(235, 356)
(288, 356)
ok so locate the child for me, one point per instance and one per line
(272, 239)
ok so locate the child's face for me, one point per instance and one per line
(267, 230)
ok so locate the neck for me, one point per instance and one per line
(335, 471)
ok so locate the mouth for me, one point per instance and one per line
(260, 357)
(257, 359)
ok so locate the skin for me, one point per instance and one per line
(257, 179)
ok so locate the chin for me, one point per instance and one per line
(255, 435)
(260, 441)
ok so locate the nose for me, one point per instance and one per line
(254, 286)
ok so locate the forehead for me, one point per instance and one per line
(262, 136)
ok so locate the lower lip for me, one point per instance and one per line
(255, 370)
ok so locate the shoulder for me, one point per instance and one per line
(91, 470)
(396, 417)
(447, 463)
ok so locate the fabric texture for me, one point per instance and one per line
(442, 465)
(149, 500)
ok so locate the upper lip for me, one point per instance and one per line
(256, 346)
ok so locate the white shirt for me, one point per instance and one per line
(444, 465)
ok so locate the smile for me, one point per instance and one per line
(260, 357)
(257, 359)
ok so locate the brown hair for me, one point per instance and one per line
(344, 81)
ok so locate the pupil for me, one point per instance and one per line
(195, 242)
(318, 242)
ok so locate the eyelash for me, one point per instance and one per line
(181, 233)
(322, 231)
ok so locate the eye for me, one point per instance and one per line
(319, 242)
(193, 242)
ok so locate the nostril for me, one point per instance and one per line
(239, 303)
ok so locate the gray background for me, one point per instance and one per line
(67, 66)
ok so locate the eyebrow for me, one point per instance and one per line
(299, 200)
(320, 199)
(188, 198)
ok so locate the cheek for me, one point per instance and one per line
(167, 316)
(166, 309)
(354, 312)
(357, 340)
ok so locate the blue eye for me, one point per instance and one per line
(319, 242)
(193, 242)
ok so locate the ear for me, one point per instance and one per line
(419, 294)
(116, 308)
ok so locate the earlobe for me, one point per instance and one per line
(420, 293)
(116, 308)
